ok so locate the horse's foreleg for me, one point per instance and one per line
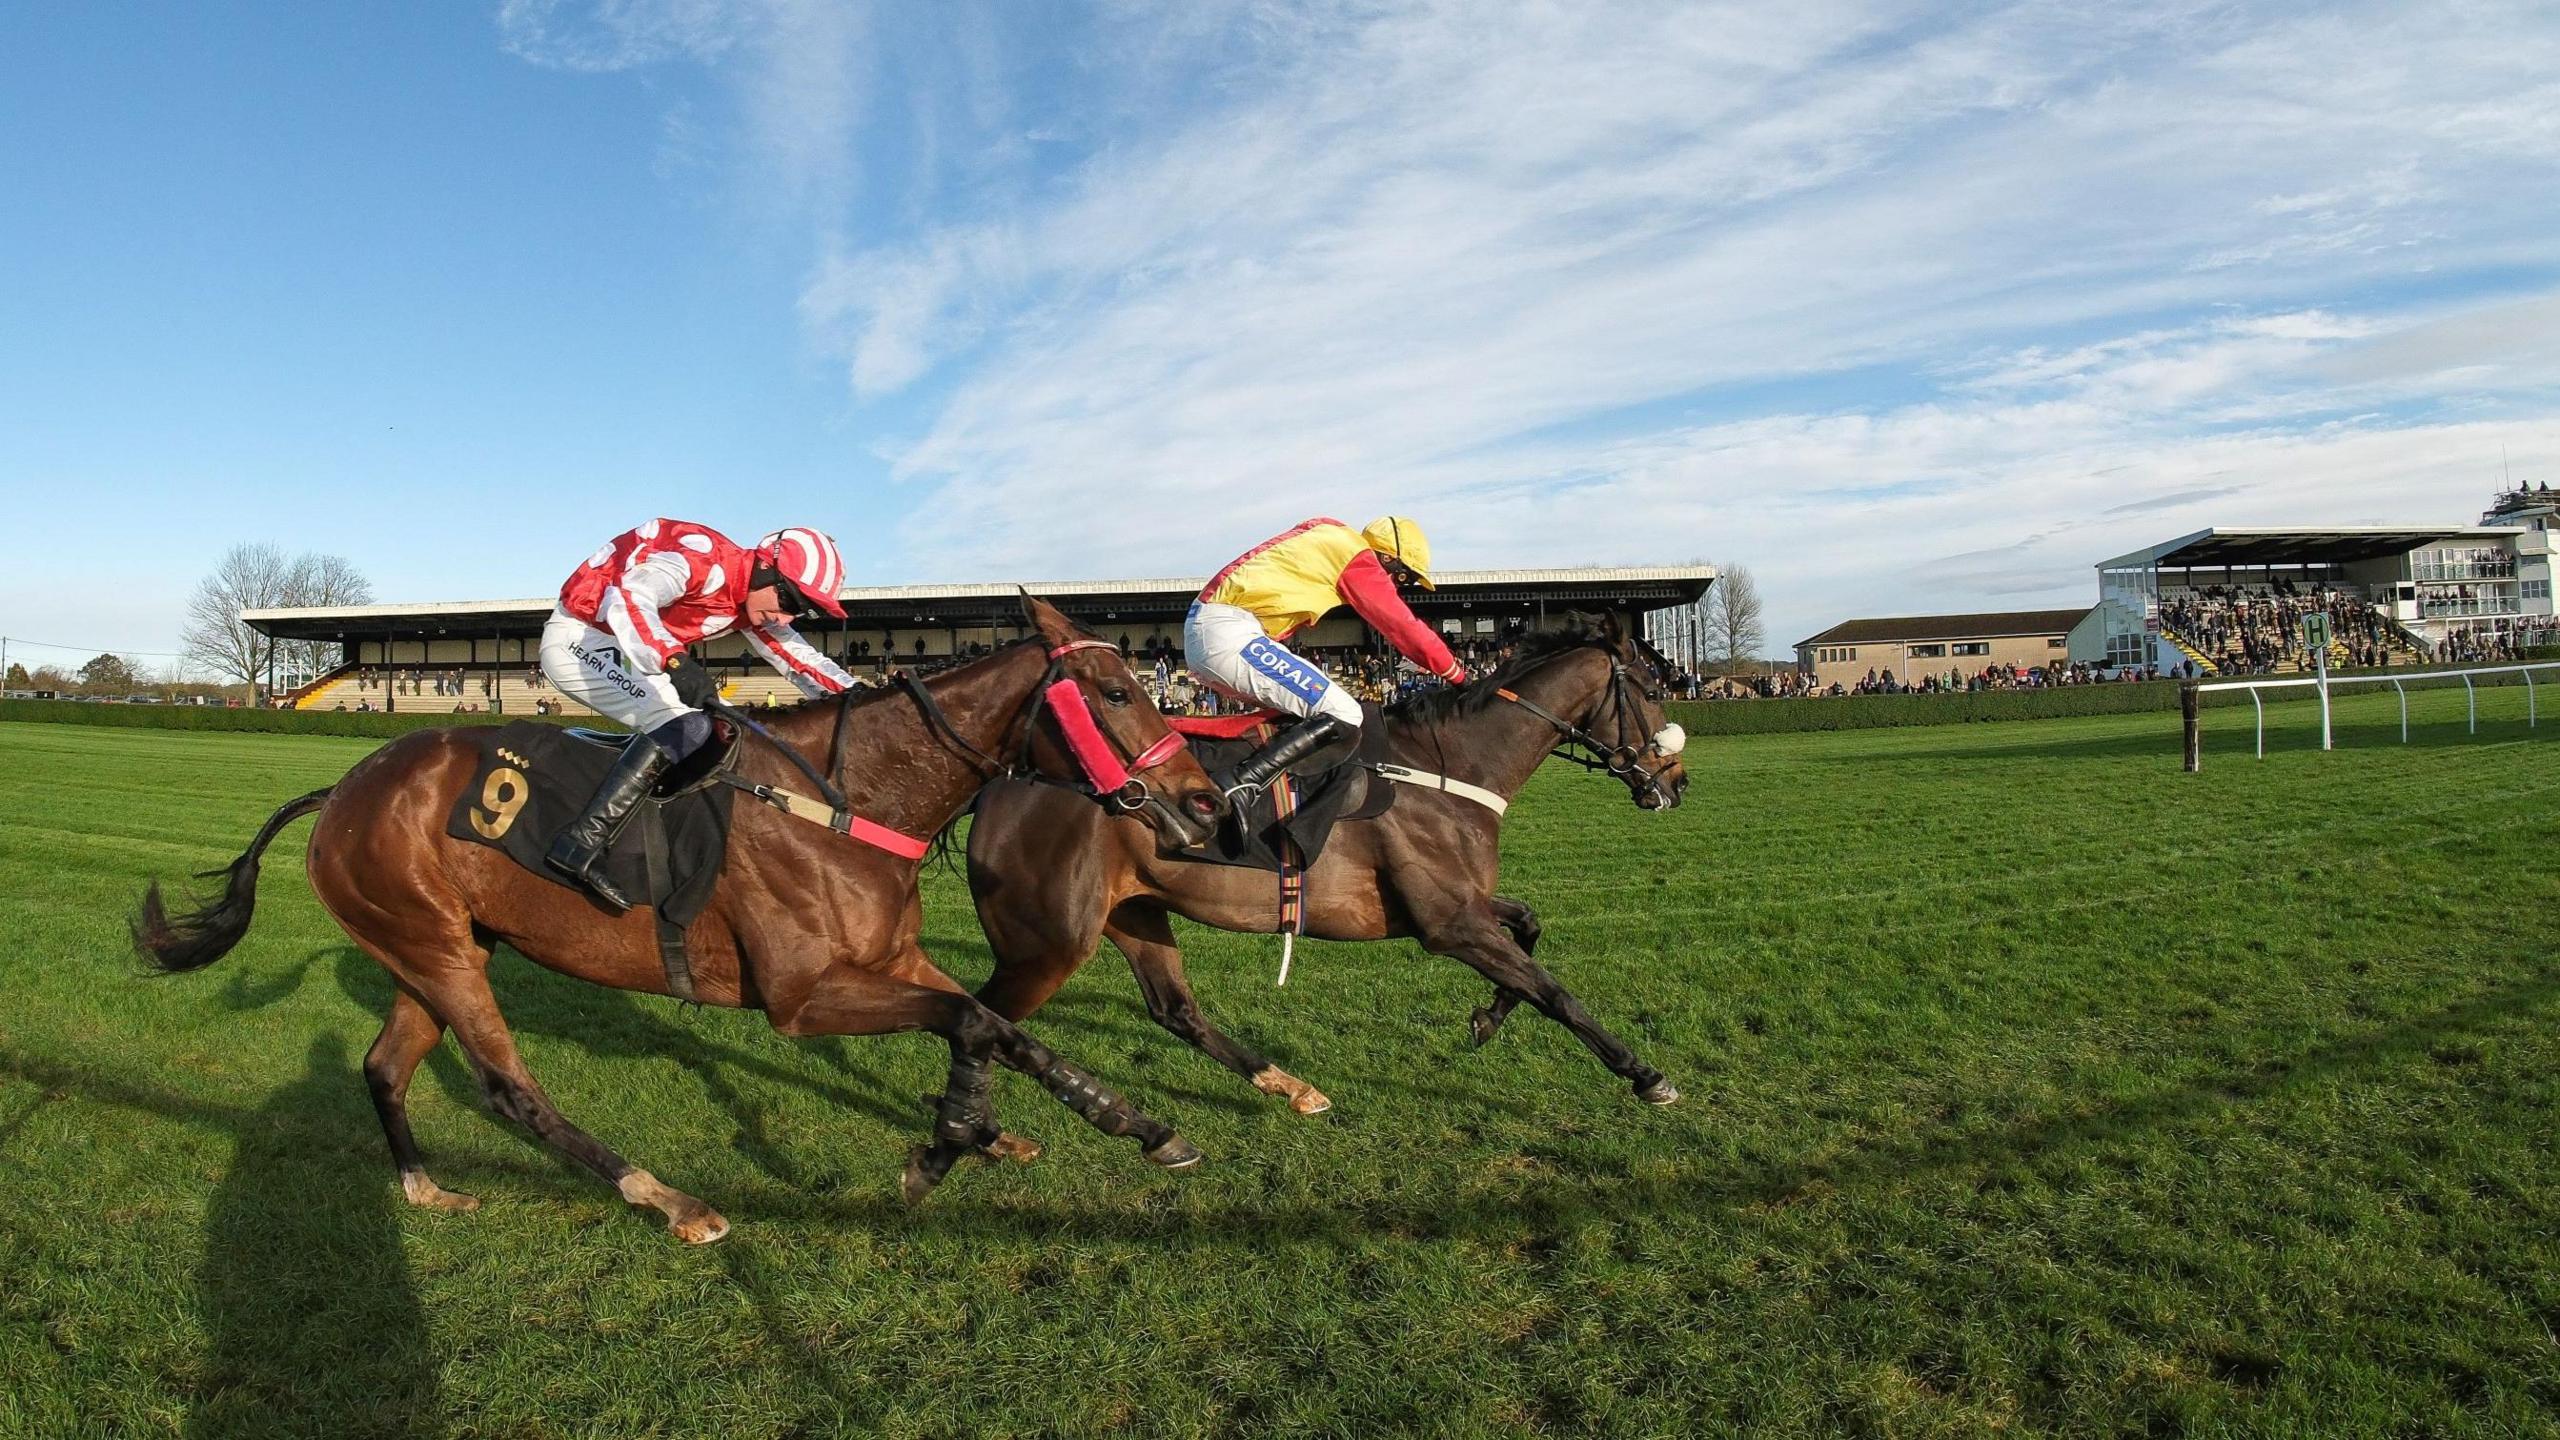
(1145, 936)
(844, 1000)
(1479, 939)
(408, 1035)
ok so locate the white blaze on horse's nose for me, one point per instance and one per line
(1669, 739)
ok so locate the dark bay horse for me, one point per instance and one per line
(817, 930)
(1053, 879)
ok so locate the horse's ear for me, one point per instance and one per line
(1040, 615)
(1609, 628)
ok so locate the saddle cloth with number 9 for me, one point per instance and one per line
(531, 780)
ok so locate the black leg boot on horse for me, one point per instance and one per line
(580, 849)
(1286, 751)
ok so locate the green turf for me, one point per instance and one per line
(2032, 1088)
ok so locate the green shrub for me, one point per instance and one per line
(273, 722)
(1889, 712)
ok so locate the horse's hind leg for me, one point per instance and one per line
(461, 997)
(408, 1034)
(1143, 934)
(1522, 922)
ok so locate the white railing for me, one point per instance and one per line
(2325, 683)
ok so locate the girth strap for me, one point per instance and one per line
(671, 952)
(1424, 779)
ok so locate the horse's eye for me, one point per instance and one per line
(1116, 694)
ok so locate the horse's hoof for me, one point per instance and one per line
(703, 1226)
(918, 1181)
(1011, 1147)
(1482, 1025)
(428, 1195)
(1660, 1092)
(1175, 1153)
(1302, 1097)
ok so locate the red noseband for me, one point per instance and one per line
(1084, 734)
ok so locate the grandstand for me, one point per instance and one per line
(2231, 601)
(485, 654)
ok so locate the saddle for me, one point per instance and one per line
(531, 780)
(1285, 827)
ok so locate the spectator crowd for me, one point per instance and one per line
(2252, 630)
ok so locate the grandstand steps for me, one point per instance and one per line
(2203, 665)
(329, 690)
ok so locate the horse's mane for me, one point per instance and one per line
(868, 694)
(1453, 702)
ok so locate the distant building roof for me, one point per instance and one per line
(1890, 629)
(1643, 586)
(2264, 545)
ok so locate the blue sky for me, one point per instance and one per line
(1906, 307)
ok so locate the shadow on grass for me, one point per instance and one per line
(1694, 1189)
(313, 1324)
(318, 1157)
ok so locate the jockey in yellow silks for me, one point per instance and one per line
(1235, 637)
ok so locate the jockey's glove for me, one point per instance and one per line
(694, 685)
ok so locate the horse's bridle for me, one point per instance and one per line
(1109, 781)
(1623, 760)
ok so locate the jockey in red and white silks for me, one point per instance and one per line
(616, 642)
(650, 592)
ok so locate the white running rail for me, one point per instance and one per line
(2325, 683)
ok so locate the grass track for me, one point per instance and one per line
(2032, 1087)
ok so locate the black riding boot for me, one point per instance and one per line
(1290, 747)
(580, 849)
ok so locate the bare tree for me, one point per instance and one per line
(1731, 610)
(256, 577)
(322, 580)
(250, 577)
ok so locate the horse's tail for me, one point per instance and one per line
(200, 937)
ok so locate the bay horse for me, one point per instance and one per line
(1051, 879)
(814, 928)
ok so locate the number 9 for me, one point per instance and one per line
(502, 798)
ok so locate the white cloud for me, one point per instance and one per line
(1532, 271)
(799, 69)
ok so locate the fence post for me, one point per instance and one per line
(2188, 707)
(2471, 698)
(2527, 673)
(2323, 661)
(2261, 707)
(2404, 710)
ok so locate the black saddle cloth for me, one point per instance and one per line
(1255, 833)
(533, 779)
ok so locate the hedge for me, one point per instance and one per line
(1887, 712)
(1891, 712)
(273, 722)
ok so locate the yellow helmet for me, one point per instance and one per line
(1399, 538)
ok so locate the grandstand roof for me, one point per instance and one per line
(2252, 545)
(1641, 586)
(1886, 630)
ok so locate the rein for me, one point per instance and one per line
(1622, 760)
(1110, 781)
